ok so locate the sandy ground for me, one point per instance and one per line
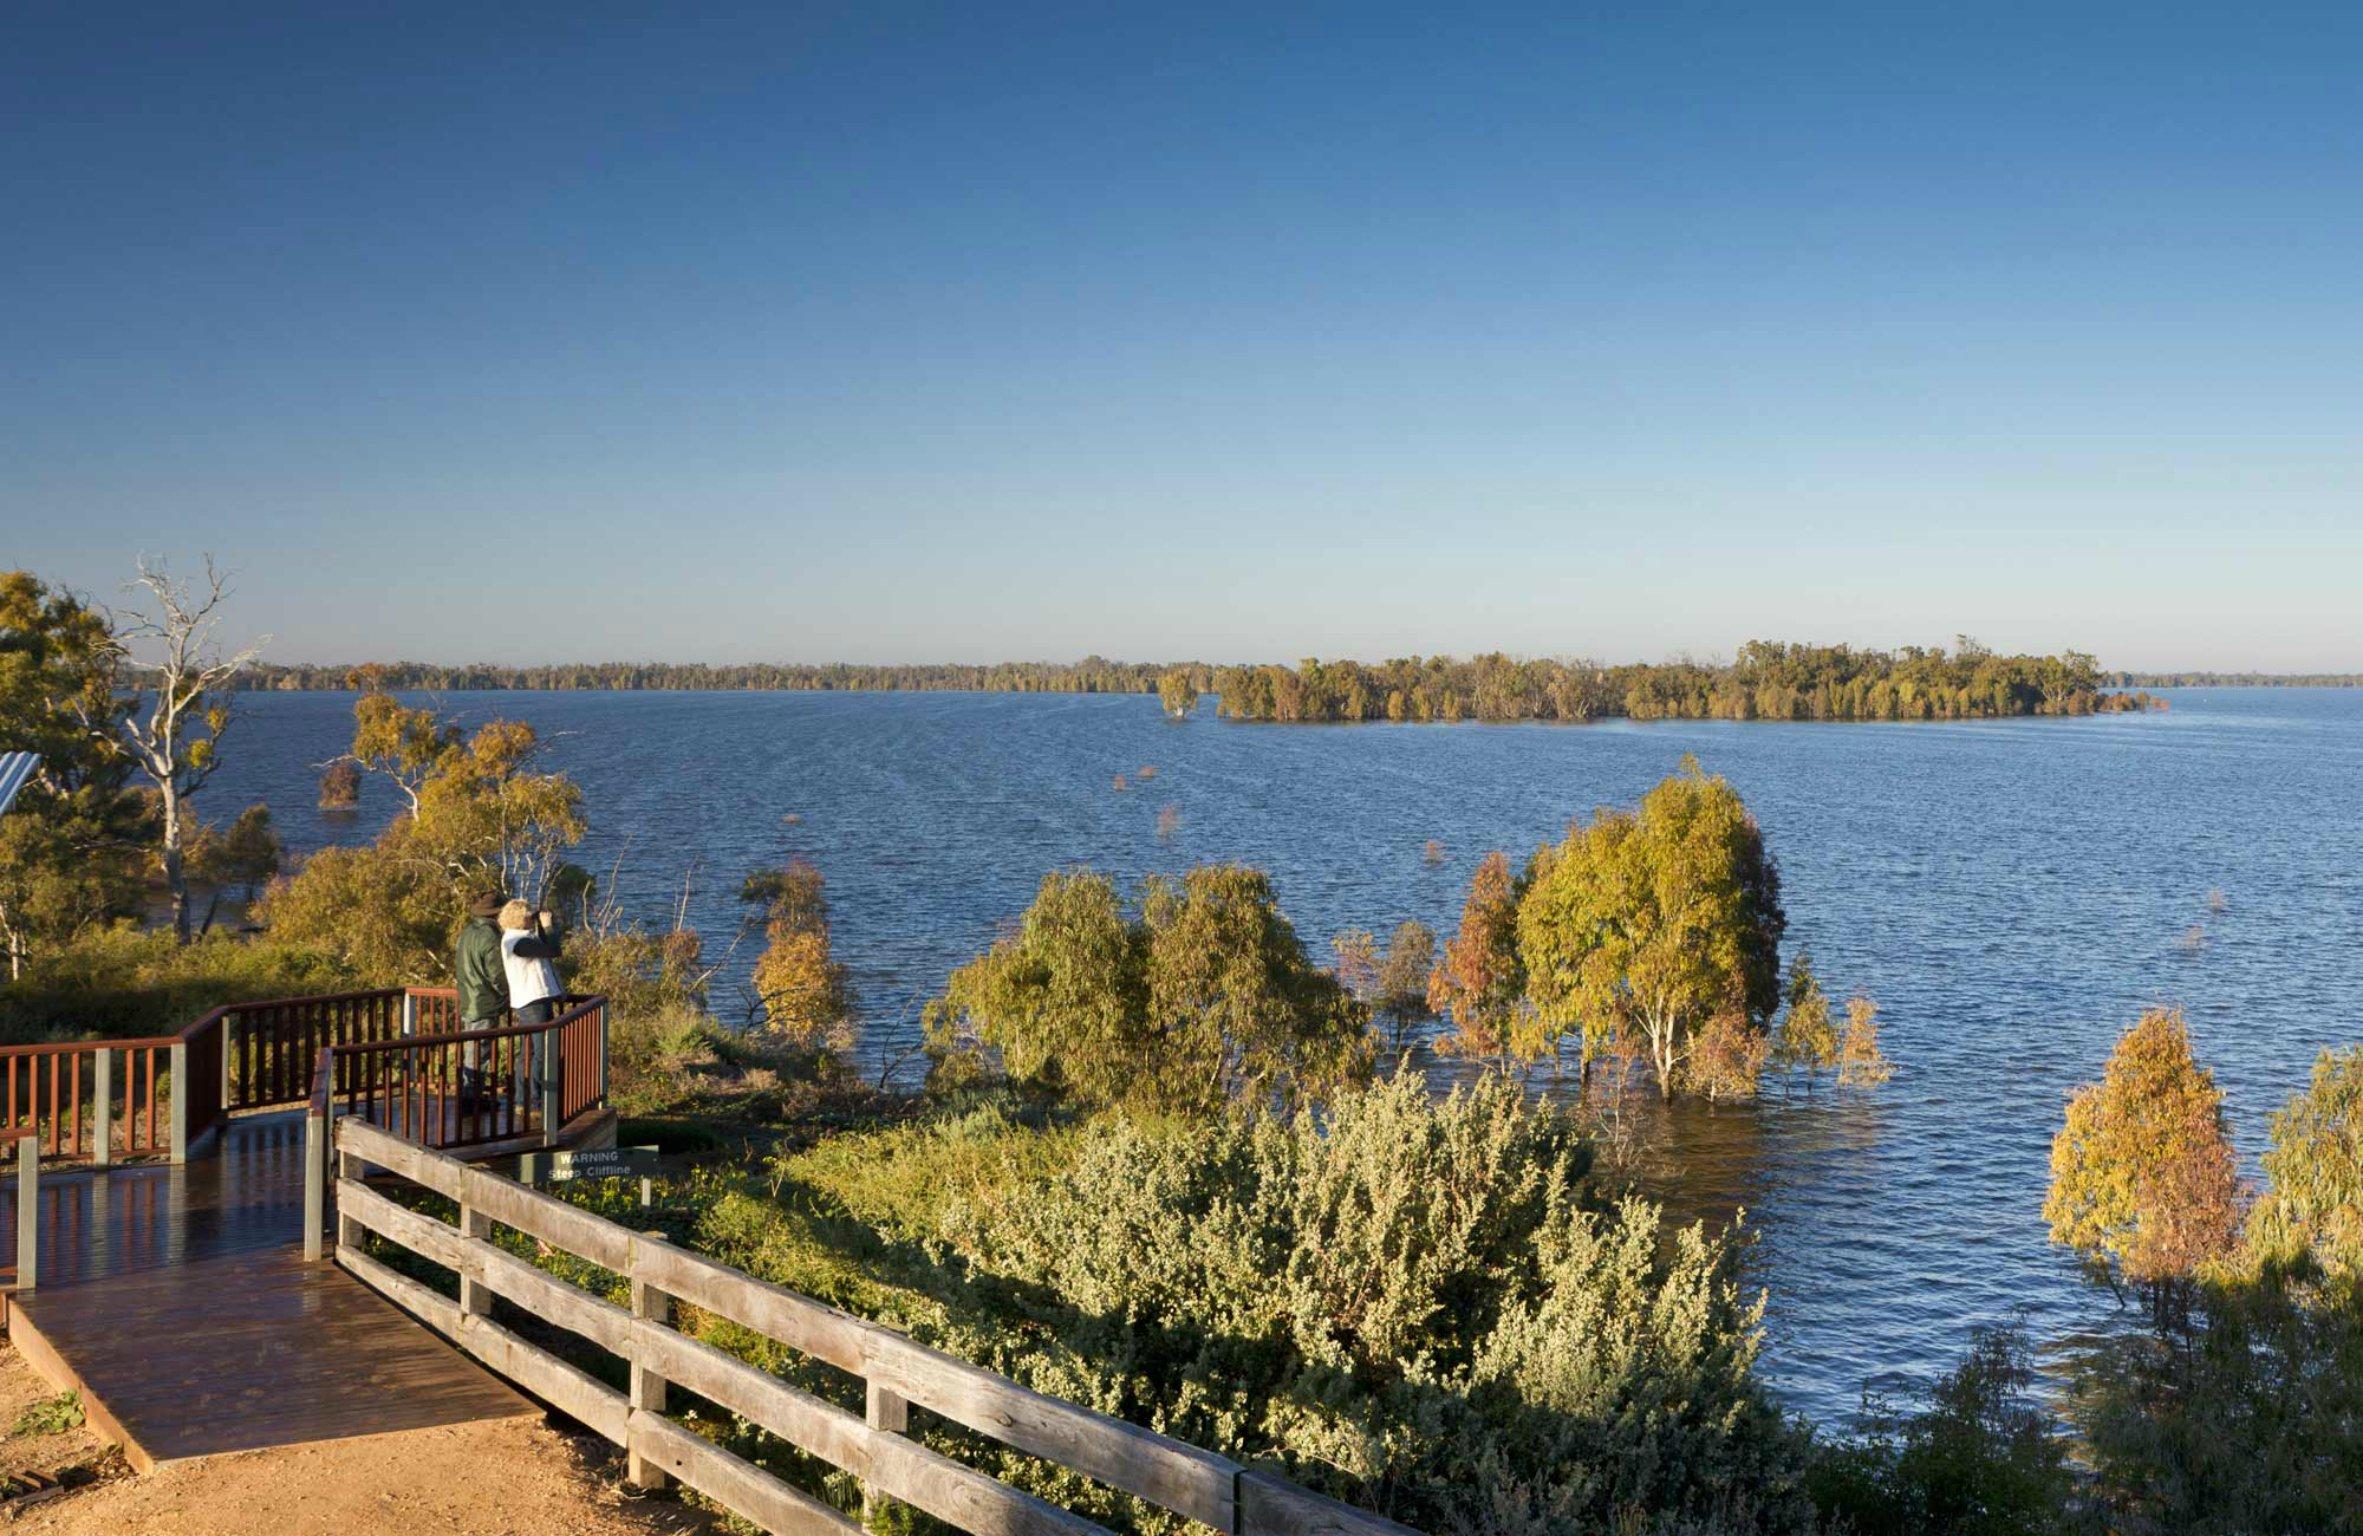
(518, 1478)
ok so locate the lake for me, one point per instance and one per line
(2012, 893)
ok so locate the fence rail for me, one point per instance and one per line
(478, 1088)
(897, 1372)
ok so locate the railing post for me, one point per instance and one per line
(229, 1058)
(647, 1387)
(28, 1212)
(316, 1125)
(409, 1013)
(603, 1054)
(180, 1101)
(102, 1108)
(891, 1412)
(547, 1058)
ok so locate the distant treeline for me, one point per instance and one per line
(2236, 679)
(1093, 674)
(1768, 681)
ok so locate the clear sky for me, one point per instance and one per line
(884, 333)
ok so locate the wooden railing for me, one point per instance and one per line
(897, 1372)
(100, 1100)
(474, 1089)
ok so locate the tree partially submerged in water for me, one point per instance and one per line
(1202, 994)
(802, 992)
(2143, 1182)
(1392, 984)
(1658, 931)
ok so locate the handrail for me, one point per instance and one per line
(165, 1095)
(897, 1371)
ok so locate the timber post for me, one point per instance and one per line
(180, 1101)
(546, 1057)
(316, 1155)
(474, 1295)
(889, 1411)
(647, 1387)
(28, 1211)
(102, 1107)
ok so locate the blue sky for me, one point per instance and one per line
(887, 333)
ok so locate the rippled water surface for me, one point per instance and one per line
(2012, 894)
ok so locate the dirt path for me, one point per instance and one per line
(499, 1479)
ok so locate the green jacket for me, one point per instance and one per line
(483, 980)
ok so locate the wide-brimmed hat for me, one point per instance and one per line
(486, 904)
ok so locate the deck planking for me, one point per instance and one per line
(176, 1300)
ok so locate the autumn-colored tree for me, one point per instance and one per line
(801, 991)
(482, 813)
(1808, 1040)
(2143, 1182)
(1861, 1064)
(1479, 980)
(181, 708)
(2309, 1220)
(1177, 691)
(1648, 926)
(1205, 996)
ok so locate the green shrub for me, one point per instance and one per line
(1421, 1306)
(121, 983)
(1981, 1459)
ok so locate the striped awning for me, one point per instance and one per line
(15, 769)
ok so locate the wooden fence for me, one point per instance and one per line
(898, 1373)
(478, 1089)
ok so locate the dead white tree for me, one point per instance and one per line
(180, 701)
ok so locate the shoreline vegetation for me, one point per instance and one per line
(1768, 681)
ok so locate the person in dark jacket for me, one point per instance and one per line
(483, 977)
(483, 987)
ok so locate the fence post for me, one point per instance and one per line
(603, 1053)
(315, 1180)
(102, 1108)
(474, 1295)
(647, 1388)
(348, 1231)
(180, 1101)
(229, 1026)
(28, 1212)
(409, 1013)
(891, 1412)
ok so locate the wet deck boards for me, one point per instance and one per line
(177, 1301)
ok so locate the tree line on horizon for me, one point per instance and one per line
(1769, 680)
(2236, 679)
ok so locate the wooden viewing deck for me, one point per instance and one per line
(175, 1297)
(184, 1303)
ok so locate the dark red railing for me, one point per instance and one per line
(52, 1092)
(476, 1088)
(164, 1095)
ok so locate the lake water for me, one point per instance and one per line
(2012, 893)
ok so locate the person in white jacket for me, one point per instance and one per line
(529, 958)
(529, 955)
